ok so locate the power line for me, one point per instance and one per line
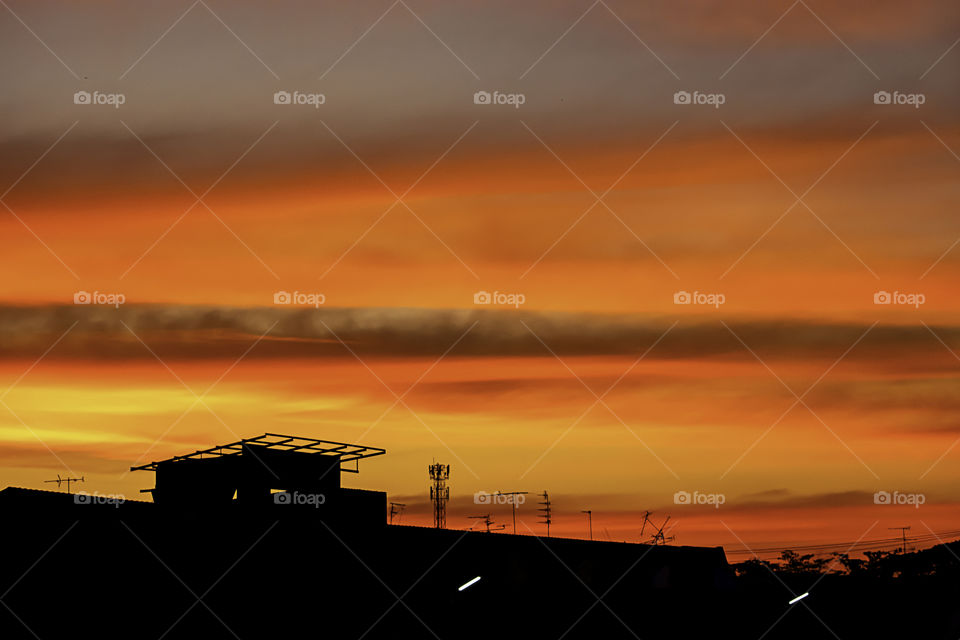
(903, 532)
(862, 545)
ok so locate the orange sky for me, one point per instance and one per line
(500, 199)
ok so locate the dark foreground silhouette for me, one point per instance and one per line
(142, 570)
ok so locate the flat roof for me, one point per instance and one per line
(344, 451)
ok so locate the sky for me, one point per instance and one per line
(809, 220)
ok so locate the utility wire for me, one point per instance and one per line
(942, 536)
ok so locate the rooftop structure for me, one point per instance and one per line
(345, 452)
(251, 470)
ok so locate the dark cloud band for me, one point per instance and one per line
(200, 332)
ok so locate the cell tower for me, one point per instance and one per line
(439, 493)
(546, 511)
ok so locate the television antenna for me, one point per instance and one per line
(589, 513)
(396, 509)
(513, 504)
(659, 537)
(66, 480)
(646, 518)
(487, 521)
(439, 493)
(546, 511)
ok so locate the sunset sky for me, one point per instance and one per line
(597, 199)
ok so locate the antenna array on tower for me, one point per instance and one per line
(439, 493)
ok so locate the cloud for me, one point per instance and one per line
(783, 499)
(799, 74)
(200, 332)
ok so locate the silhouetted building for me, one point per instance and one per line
(269, 470)
(265, 519)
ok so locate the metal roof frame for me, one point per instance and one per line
(344, 451)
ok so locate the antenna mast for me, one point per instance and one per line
(439, 493)
(487, 521)
(546, 512)
(659, 537)
(646, 519)
(396, 509)
(67, 480)
(589, 513)
(513, 504)
(903, 531)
